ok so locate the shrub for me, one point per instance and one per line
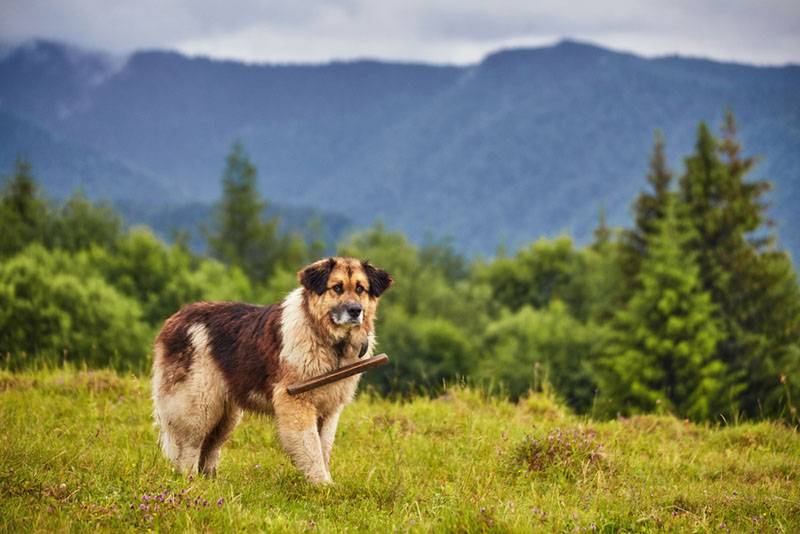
(529, 347)
(51, 315)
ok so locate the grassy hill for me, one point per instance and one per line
(79, 454)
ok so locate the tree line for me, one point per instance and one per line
(693, 310)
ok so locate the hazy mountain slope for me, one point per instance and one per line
(193, 216)
(298, 122)
(526, 143)
(63, 166)
(536, 141)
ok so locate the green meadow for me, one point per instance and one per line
(79, 453)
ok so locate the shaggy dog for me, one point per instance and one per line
(215, 359)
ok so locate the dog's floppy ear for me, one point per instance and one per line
(314, 277)
(379, 280)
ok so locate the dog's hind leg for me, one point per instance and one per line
(167, 442)
(182, 428)
(210, 451)
(190, 402)
(188, 460)
(181, 443)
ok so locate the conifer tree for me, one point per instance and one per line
(648, 210)
(604, 278)
(751, 282)
(239, 235)
(601, 233)
(23, 212)
(661, 347)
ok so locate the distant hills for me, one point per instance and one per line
(526, 143)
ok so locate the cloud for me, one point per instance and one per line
(434, 31)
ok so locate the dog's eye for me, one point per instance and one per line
(338, 289)
(359, 289)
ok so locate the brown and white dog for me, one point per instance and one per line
(215, 359)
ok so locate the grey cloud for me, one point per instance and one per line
(439, 31)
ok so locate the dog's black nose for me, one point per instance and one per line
(354, 310)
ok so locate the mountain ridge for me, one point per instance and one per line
(535, 140)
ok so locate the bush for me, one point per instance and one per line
(426, 353)
(51, 315)
(529, 348)
(544, 271)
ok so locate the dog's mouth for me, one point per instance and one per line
(347, 315)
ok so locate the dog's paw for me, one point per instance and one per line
(323, 479)
(210, 472)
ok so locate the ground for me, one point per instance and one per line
(78, 453)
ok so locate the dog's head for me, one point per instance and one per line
(343, 292)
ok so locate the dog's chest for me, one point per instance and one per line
(329, 398)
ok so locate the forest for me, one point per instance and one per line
(694, 310)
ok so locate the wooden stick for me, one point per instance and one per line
(338, 374)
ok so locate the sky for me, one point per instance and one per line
(765, 32)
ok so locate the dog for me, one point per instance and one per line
(213, 360)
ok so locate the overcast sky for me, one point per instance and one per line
(451, 31)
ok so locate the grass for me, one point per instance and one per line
(78, 453)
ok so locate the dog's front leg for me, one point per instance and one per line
(327, 433)
(297, 430)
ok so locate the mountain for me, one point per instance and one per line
(67, 166)
(192, 217)
(528, 142)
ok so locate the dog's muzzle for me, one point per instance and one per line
(351, 313)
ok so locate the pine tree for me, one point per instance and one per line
(239, 235)
(23, 212)
(602, 269)
(649, 207)
(752, 283)
(661, 347)
(746, 206)
(648, 210)
(601, 233)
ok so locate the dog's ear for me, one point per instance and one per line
(379, 280)
(314, 277)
